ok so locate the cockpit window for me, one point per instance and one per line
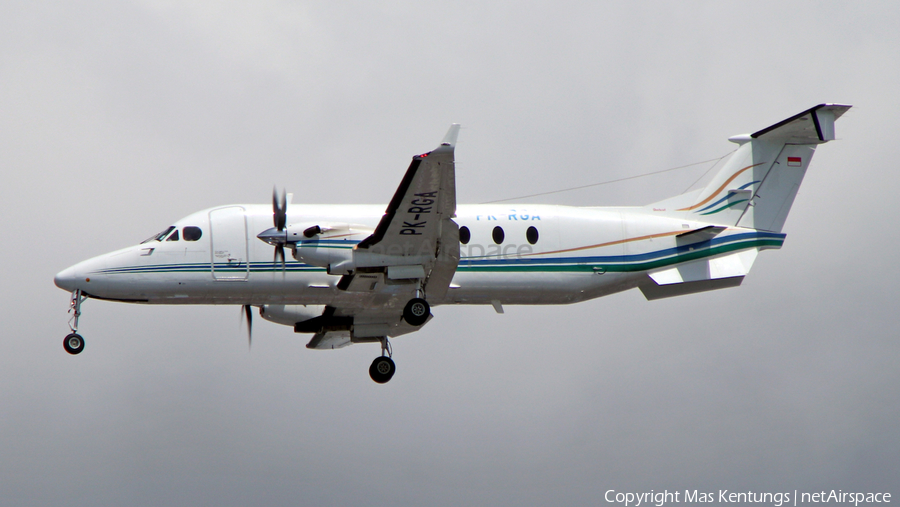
(173, 236)
(160, 236)
(191, 233)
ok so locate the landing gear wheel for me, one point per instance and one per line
(382, 369)
(73, 343)
(416, 312)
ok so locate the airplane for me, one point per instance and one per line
(364, 273)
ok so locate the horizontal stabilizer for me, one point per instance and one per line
(652, 291)
(699, 276)
(736, 264)
(813, 126)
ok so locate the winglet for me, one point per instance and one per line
(452, 134)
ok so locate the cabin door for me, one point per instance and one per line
(229, 256)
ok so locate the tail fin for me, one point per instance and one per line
(757, 185)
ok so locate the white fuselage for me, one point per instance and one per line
(579, 254)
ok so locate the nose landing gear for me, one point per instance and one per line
(383, 367)
(73, 342)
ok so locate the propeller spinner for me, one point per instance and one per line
(279, 236)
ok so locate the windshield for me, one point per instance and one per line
(160, 236)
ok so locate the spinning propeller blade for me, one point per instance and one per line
(279, 209)
(279, 217)
(248, 314)
(279, 253)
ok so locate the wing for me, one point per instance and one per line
(813, 126)
(413, 252)
(338, 327)
(329, 340)
(426, 195)
(416, 238)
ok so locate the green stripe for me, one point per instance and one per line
(624, 268)
(335, 247)
(508, 266)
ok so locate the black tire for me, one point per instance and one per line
(73, 343)
(416, 311)
(382, 369)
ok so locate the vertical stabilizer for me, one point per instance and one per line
(756, 186)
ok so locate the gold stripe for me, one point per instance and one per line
(601, 245)
(340, 235)
(729, 180)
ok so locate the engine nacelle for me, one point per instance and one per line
(327, 245)
(325, 254)
(289, 315)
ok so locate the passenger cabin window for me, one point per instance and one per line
(173, 236)
(532, 234)
(464, 235)
(160, 236)
(191, 233)
(498, 235)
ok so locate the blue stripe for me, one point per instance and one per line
(668, 252)
(730, 193)
(204, 267)
(468, 261)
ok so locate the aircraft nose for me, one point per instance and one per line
(65, 279)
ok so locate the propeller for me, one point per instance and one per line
(248, 314)
(279, 216)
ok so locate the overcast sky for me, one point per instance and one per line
(117, 118)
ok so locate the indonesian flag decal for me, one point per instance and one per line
(794, 162)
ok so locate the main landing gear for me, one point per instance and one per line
(383, 367)
(416, 311)
(73, 342)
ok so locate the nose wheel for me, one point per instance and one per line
(73, 342)
(383, 367)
